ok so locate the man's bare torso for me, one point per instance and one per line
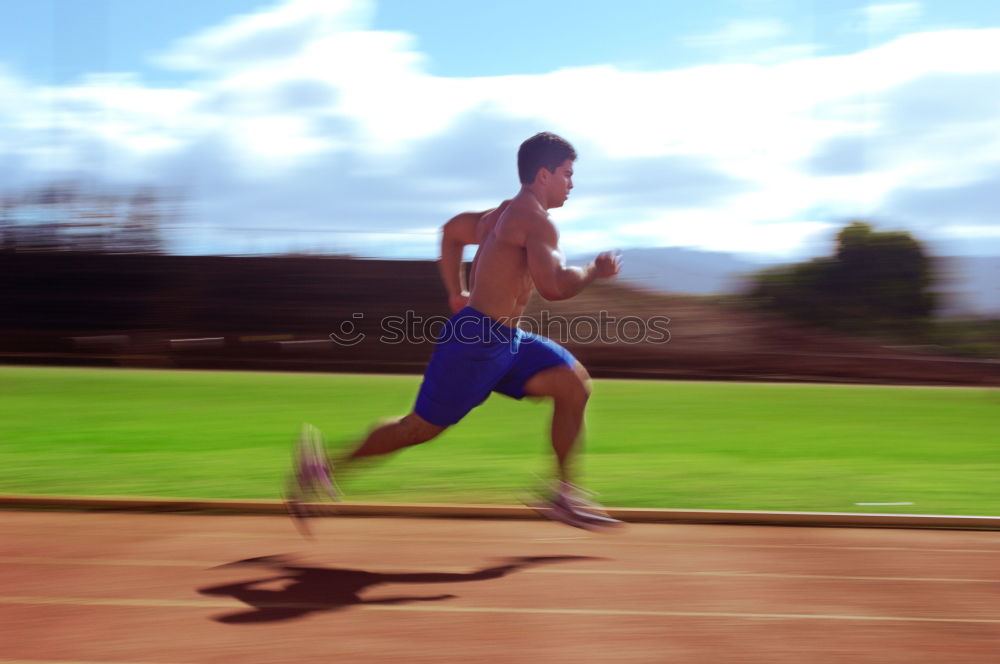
(500, 282)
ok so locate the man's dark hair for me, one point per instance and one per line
(544, 150)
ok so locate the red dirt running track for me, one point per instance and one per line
(116, 588)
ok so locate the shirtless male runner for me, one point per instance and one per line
(481, 349)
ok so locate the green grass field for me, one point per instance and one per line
(655, 444)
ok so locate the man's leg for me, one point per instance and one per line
(313, 471)
(569, 388)
(393, 435)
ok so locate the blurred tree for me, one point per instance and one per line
(882, 275)
(62, 216)
(140, 233)
(875, 280)
(6, 224)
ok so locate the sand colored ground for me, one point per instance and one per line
(115, 588)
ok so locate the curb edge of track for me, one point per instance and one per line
(451, 511)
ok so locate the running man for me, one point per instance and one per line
(481, 349)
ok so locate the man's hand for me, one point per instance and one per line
(458, 301)
(607, 264)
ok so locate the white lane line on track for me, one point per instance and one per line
(762, 575)
(68, 661)
(618, 543)
(210, 604)
(683, 614)
(207, 565)
(104, 562)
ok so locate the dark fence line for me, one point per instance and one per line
(277, 313)
(80, 304)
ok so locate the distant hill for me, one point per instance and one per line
(970, 285)
(687, 271)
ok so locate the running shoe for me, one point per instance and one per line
(569, 504)
(311, 479)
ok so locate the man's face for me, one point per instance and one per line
(560, 184)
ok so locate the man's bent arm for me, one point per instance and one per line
(553, 279)
(456, 234)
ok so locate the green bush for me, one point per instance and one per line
(876, 281)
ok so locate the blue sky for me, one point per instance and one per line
(754, 126)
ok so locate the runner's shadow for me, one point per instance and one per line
(306, 590)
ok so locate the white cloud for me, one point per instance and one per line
(741, 32)
(301, 117)
(276, 33)
(757, 41)
(886, 18)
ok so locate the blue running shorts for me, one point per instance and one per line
(476, 355)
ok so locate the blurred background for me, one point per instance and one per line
(806, 190)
